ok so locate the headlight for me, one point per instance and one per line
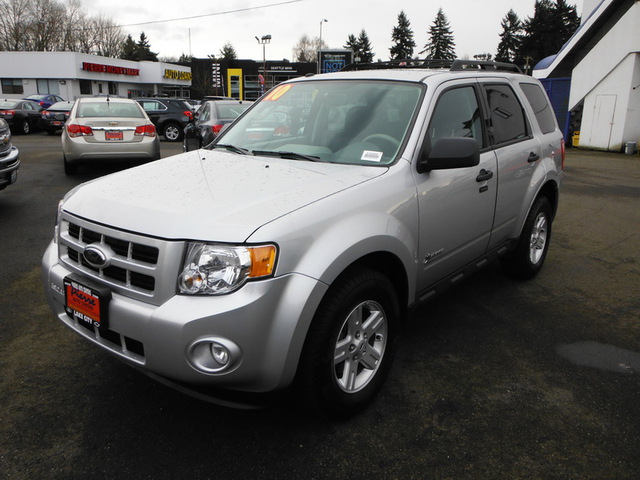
(218, 269)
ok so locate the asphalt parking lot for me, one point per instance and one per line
(493, 380)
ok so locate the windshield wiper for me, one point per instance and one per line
(231, 148)
(287, 155)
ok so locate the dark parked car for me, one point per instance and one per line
(45, 100)
(9, 157)
(52, 119)
(169, 115)
(21, 115)
(209, 120)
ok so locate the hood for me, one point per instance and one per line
(210, 195)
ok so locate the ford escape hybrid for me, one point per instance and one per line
(286, 254)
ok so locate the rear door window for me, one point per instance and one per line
(507, 116)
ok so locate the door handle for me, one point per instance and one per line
(533, 157)
(484, 175)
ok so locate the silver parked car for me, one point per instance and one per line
(288, 252)
(9, 157)
(209, 120)
(107, 128)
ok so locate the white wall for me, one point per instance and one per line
(604, 57)
(609, 118)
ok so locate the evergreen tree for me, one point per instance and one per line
(510, 38)
(353, 45)
(144, 49)
(129, 49)
(227, 52)
(441, 45)
(366, 55)
(402, 36)
(547, 31)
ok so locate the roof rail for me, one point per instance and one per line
(483, 65)
(406, 63)
(452, 65)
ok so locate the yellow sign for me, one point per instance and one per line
(177, 75)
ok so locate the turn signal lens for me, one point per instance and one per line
(262, 261)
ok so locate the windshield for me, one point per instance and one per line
(341, 121)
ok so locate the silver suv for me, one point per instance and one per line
(289, 252)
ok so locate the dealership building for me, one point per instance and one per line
(72, 75)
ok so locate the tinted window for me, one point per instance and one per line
(507, 117)
(12, 85)
(457, 115)
(151, 105)
(538, 101)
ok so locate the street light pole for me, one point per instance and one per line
(320, 42)
(263, 41)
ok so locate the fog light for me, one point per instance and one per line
(214, 355)
(220, 354)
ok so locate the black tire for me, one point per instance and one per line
(337, 340)
(51, 131)
(25, 128)
(172, 132)
(527, 259)
(69, 168)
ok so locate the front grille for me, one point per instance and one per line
(142, 267)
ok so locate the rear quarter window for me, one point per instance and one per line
(540, 105)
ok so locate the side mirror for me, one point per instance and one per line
(450, 152)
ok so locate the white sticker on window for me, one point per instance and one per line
(371, 156)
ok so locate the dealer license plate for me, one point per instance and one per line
(88, 304)
(113, 135)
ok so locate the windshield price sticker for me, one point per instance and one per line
(86, 304)
(371, 156)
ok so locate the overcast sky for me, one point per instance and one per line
(475, 23)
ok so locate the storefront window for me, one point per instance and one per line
(85, 87)
(113, 88)
(48, 86)
(12, 85)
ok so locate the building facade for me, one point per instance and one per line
(602, 61)
(72, 75)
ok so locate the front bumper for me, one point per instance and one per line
(9, 165)
(266, 320)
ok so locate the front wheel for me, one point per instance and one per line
(349, 347)
(172, 132)
(527, 259)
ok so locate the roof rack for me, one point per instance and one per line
(451, 65)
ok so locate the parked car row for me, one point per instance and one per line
(114, 127)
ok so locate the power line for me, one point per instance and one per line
(210, 14)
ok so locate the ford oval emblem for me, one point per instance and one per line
(95, 256)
